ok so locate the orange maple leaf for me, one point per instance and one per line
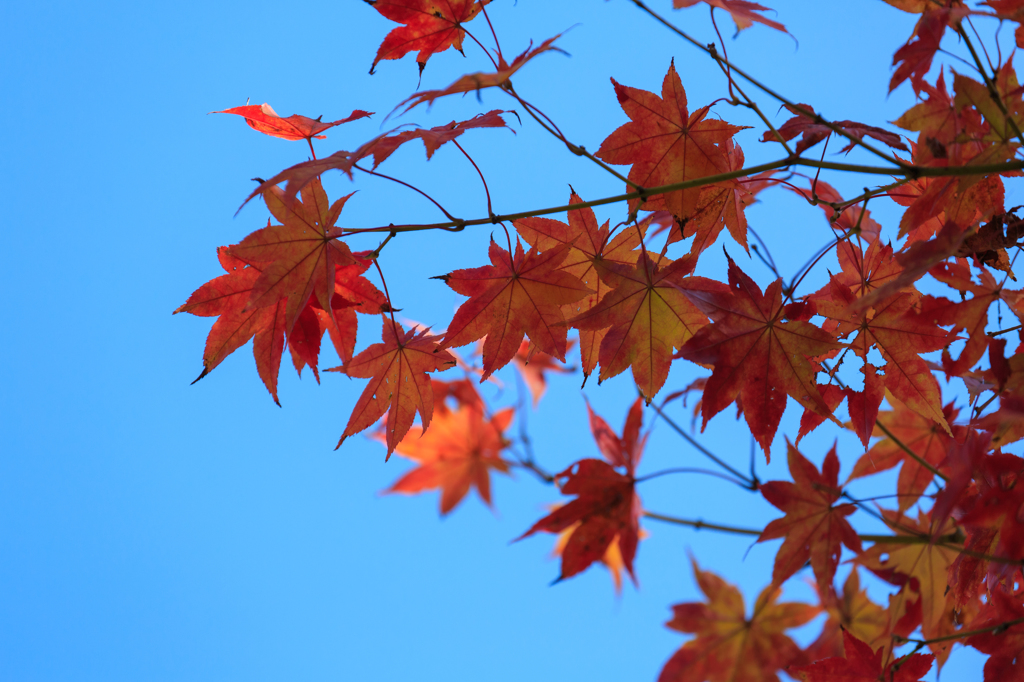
(666, 144)
(730, 647)
(515, 296)
(431, 26)
(264, 119)
(922, 435)
(460, 450)
(920, 563)
(298, 257)
(814, 526)
(592, 248)
(757, 356)
(852, 612)
(399, 384)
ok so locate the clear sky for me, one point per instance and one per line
(153, 530)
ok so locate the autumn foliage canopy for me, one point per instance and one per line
(909, 345)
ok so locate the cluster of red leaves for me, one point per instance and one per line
(954, 568)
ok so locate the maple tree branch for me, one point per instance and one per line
(817, 118)
(908, 171)
(750, 484)
(993, 629)
(1004, 331)
(981, 555)
(375, 254)
(699, 524)
(839, 207)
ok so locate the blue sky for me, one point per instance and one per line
(154, 530)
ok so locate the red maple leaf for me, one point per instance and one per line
(863, 664)
(607, 507)
(515, 296)
(722, 205)
(646, 316)
(730, 647)
(431, 26)
(914, 59)
(970, 315)
(756, 355)
(297, 258)
(812, 131)
(1004, 645)
(399, 384)
(666, 144)
(591, 250)
(460, 450)
(264, 119)
(814, 526)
